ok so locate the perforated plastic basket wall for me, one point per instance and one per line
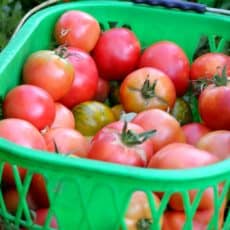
(86, 194)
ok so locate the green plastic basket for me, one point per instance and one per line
(87, 194)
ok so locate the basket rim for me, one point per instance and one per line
(49, 161)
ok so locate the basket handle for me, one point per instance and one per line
(200, 8)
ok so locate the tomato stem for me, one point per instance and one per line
(148, 91)
(144, 224)
(129, 137)
(218, 80)
(61, 51)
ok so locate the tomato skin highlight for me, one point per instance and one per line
(85, 82)
(49, 71)
(171, 59)
(119, 48)
(77, 29)
(30, 103)
(108, 146)
(135, 97)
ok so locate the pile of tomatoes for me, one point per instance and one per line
(100, 95)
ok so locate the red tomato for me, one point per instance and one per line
(85, 81)
(217, 143)
(78, 29)
(114, 144)
(214, 106)
(38, 191)
(208, 65)
(184, 156)
(103, 89)
(63, 117)
(30, 103)
(174, 220)
(49, 71)
(11, 198)
(138, 215)
(68, 141)
(24, 134)
(167, 128)
(147, 88)
(171, 59)
(194, 131)
(116, 53)
(40, 218)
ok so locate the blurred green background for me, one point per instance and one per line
(11, 11)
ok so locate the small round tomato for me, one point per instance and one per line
(84, 86)
(147, 88)
(63, 117)
(24, 134)
(172, 60)
(208, 65)
(103, 89)
(116, 53)
(30, 103)
(68, 141)
(77, 29)
(194, 131)
(40, 218)
(184, 156)
(120, 143)
(48, 70)
(139, 216)
(214, 106)
(91, 116)
(167, 128)
(217, 143)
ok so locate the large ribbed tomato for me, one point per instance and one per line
(147, 88)
(120, 143)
